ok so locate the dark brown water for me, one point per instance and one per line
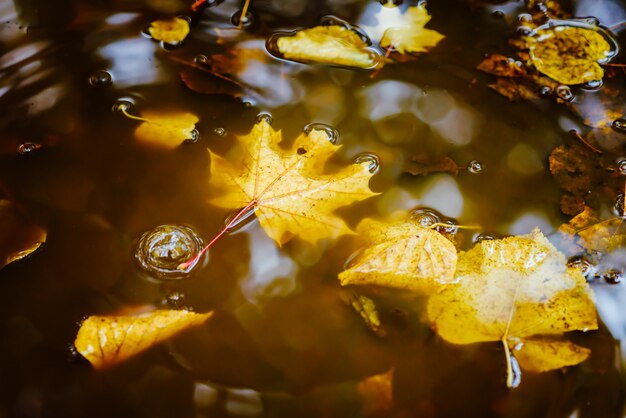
(282, 343)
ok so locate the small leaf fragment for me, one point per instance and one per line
(569, 54)
(108, 340)
(549, 354)
(166, 130)
(18, 236)
(411, 36)
(170, 31)
(333, 44)
(402, 255)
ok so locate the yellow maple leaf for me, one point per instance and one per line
(332, 44)
(164, 130)
(519, 291)
(569, 54)
(403, 255)
(411, 36)
(289, 194)
(170, 31)
(109, 340)
(18, 236)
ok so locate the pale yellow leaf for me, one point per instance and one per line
(170, 31)
(289, 193)
(165, 130)
(411, 36)
(19, 237)
(402, 255)
(333, 44)
(108, 340)
(542, 355)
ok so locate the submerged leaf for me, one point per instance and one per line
(287, 189)
(18, 236)
(423, 164)
(170, 31)
(333, 44)
(108, 340)
(402, 255)
(411, 36)
(165, 130)
(569, 54)
(517, 290)
(376, 393)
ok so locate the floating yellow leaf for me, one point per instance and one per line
(165, 130)
(569, 54)
(18, 236)
(411, 36)
(328, 45)
(595, 234)
(108, 340)
(402, 255)
(170, 31)
(519, 291)
(287, 190)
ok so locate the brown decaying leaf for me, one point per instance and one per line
(19, 237)
(108, 340)
(423, 164)
(520, 292)
(502, 66)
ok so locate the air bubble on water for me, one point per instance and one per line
(201, 59)
(621, 165)
(264, 117)
(221, 132)
(619, 125)
(525, 17)
(122, 105)
(475, 167)
(545, 91)
(161, 250)
(245, 23)
(245, 219)
(593, 85)
(174, 300)
(391, 3)
(565, 93)
(524, 30)
(333, 135)
(425, 217)
(194, 136)
(28, 147)
(585, 266)
(482, 237)
(370, 159)
(498, 13)
(100, 78)
(612, 276)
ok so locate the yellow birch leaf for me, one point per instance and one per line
(165, 130)
(18, 236)
(411, 36)
(170, 31)
(333, 44)
(513, 290)
(286, 188)
(109, 340)
(569, 54)
(549, 354)
(402, 255)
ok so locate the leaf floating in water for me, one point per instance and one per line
(18, 236)
(411, 36)
(165, 130)
(286, 189)
(402, 255)
(569, 54)
(519, 291)
(171, 31)
(109, 340)
(595, 234)
(423, 164)
(332, 44)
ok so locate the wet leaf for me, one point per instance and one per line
(170, 31)
(333, 44)
(376, 393)
(569, 54)
(287, 189)
(423, 164)
(109, 340)
(165, 130)
(517, 290)
(502, 66)
(366, 308)
(19, 237)
(594, 234)
(402, 255)
(410, 36)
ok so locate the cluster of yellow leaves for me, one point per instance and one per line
(108, 340)
(342, 45)
(517, 290)
(170, 31)
(18, 236)
(287, 189)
